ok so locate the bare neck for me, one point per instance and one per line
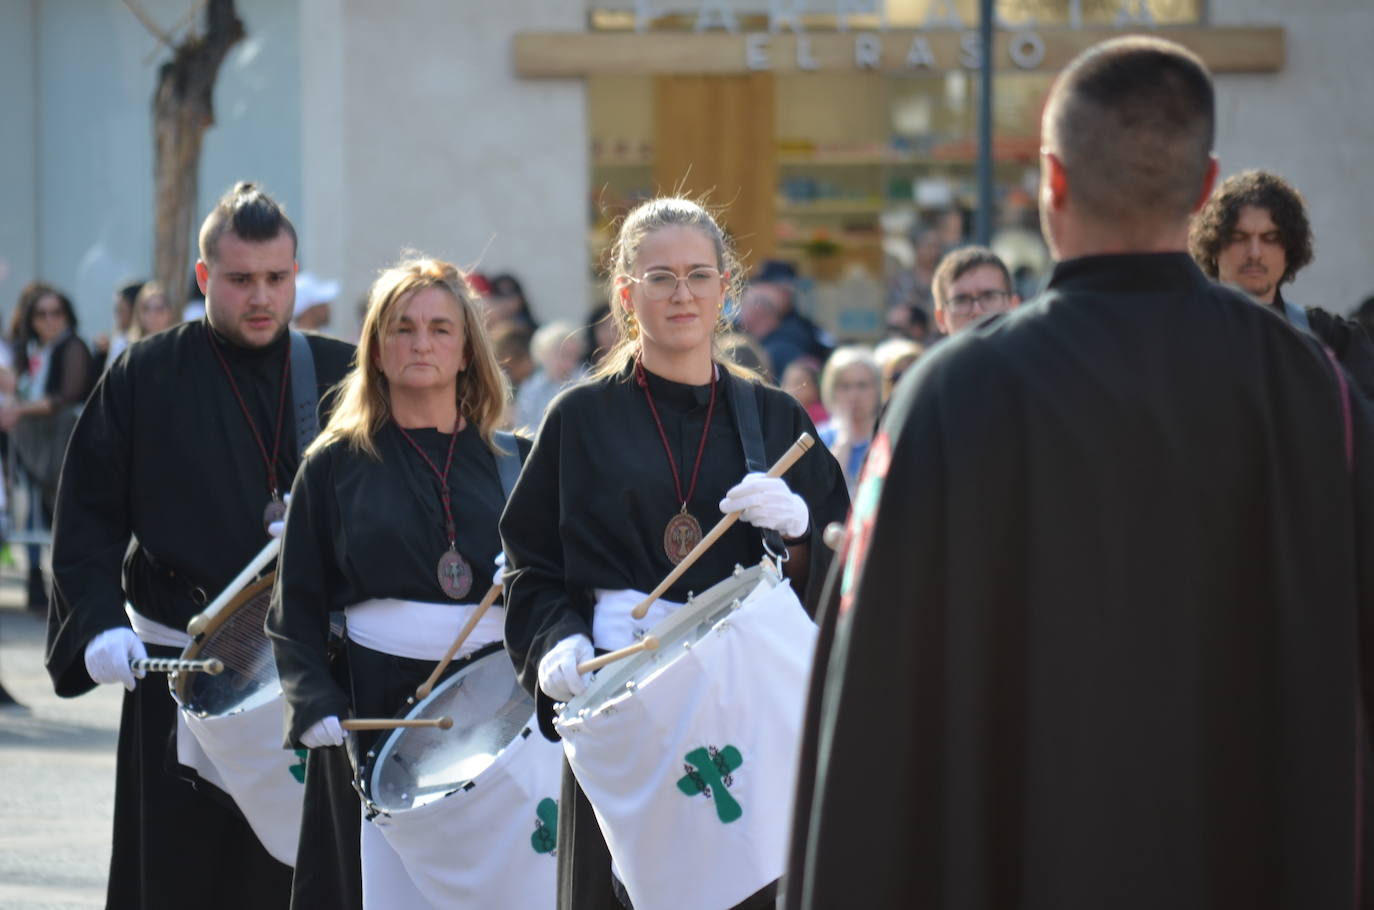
(686, 367)
(415, 409)
(1077, 237)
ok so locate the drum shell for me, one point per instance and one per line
(742, 686)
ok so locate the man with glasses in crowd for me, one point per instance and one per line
(969, 283)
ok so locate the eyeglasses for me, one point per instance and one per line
(48, 314)
(987, 301)
(660, 284)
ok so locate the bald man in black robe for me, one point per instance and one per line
(1105, 629)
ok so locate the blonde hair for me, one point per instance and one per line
(364, 403)
(843, 359)
(149, 290)
(643, 220)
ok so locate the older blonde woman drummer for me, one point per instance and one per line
(628, 469)
(393, 520)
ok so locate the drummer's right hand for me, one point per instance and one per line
(108, 656)
(558, 675)
(327, 732)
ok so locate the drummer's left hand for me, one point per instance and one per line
(767, 502)
(500, 569)
(325, 732)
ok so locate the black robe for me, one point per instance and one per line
(364, 529)
(1106, 610)
(589, 512)
(162, 466)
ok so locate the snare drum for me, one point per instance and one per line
(236, 720)
(471, 811)
(688, 753)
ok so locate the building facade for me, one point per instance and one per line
(462, 130)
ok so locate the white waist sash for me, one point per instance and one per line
(152, 632)
(614, 628)
(421, 631)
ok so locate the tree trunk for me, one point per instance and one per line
(183, 109)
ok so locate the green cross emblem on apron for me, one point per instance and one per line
(708, 773)
(545, 836)
(298, 769)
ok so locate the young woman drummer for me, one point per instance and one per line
(393, 520)
(631, 468)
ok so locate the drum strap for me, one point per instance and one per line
(304, 391)
(507, 461)
(745, 406)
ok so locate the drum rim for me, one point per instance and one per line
(363, 778)
(177, 682)
(507, 755)
(569, 717)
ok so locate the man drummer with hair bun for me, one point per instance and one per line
(394, 521)
(628, 469)
(187, 442)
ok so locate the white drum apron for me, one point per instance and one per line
(688, 754)
(242, 754)
(471, 812)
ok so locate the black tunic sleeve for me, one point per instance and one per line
(539, 611)
(91, 531)
(298, 620)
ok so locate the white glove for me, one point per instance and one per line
(275, 528)
(500, 568)
(558, 675)
(108, 656)
(327, 732)
(767, 502)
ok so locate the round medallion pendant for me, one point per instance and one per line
(455, 575)
(682, 534)
(275, 511)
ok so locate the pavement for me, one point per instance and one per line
(57, 767)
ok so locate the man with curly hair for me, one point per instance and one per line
(1253, 233)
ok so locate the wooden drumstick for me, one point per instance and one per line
(384, 723)
(797, 450)
(427, 686)
(213, 666)
(647, 643)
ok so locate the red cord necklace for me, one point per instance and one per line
(455, 575)
(276, 509)
(683, 531)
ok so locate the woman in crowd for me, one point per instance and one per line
(393, 520)
(557, 349)
(629, 467)
(802, 380)
(850, 388)
(507, 303)
(52, 374)
(152, 312)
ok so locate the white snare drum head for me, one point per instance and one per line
(237, 638)
(415, 766)
(676, 634)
